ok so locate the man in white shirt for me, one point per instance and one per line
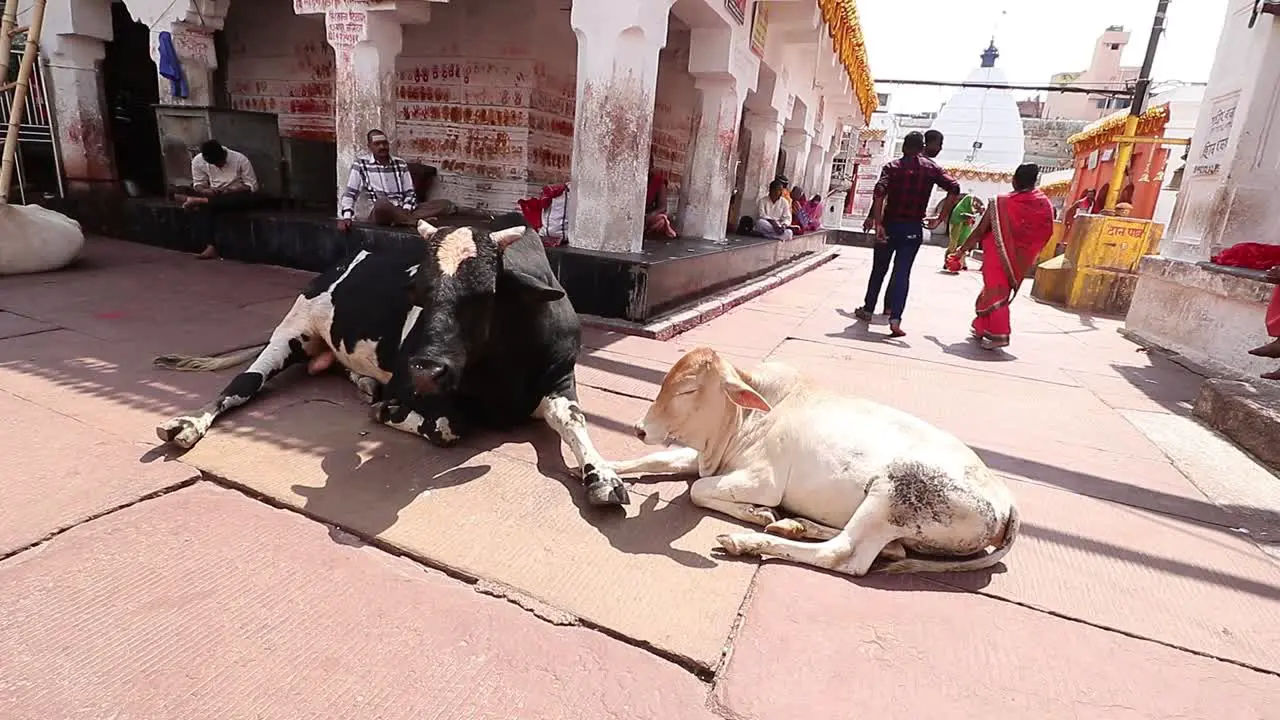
(773, 214)
(389, 184)
(222, 179)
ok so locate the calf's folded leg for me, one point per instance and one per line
(747, 495)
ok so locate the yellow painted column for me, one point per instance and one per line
(1124, 151)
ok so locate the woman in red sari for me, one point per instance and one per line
(1013, 231)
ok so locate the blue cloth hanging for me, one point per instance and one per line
(171, 67)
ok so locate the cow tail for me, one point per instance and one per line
(919, 565)
(195, 363)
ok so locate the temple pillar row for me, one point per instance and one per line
(618, 46)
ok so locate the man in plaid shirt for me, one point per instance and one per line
(897, 216)
(389, 184)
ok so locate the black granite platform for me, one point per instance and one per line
(632, 286)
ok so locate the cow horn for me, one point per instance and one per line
(426, 229)
(504, 238)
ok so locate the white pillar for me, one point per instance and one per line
(796, 142)
(365, 45)
(75, 42)
(618, 45)
(710, 182)
(813, 170)
(762, 159)
(1233, 167)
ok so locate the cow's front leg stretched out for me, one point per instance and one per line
(604, 487)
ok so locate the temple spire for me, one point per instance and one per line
(990, 54)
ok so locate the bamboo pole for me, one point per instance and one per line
(6, 37)
(29, 54)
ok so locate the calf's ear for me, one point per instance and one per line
(531, 288)
(737, 389)
(426, 229)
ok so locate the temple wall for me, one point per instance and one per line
(280, 62)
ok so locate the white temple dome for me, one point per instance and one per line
(981, 127)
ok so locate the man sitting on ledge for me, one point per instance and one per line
(773, 216)
(387, 181)
(222, 180)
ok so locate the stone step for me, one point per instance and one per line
(1246, 412)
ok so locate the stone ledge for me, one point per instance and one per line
(1247, 413)
(1228, 282)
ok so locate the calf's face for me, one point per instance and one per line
(698, 399)
(457, 287)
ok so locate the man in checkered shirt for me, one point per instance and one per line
(389, 184)
(897, 216)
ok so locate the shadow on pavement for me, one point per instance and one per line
(969, 350)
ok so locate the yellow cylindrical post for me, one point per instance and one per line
(29, 54)
(1124, 151)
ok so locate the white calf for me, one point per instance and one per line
(769, 440)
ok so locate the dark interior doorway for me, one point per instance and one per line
(132, 88)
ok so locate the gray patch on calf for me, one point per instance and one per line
(919, 494)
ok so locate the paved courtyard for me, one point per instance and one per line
(303, 563)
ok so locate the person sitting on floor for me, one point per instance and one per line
(388, 183)
(807, 211)
(773, 214)
(222, 179)
(656, 219)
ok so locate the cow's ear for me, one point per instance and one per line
(504, 238)
(737, 389)
(426, 229)
(532, 288)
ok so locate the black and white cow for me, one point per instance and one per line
(471, 330)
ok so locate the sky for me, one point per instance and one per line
(942, 40)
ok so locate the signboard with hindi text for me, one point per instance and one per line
(1222, 117)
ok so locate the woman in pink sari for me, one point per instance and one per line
(1013, 231)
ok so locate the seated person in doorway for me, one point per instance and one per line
(221, 180)
(656, 220)
(806, 211)
(773, 214)
(388, 183)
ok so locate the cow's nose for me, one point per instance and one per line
(640, 432)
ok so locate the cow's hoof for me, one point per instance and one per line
(604, 487)
(788, 528)
(181, 431)
(740, 543)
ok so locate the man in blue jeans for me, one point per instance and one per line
(897, 216)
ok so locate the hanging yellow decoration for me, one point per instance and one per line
(841, 17)
(1104, 132)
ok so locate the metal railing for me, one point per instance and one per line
(37, 123)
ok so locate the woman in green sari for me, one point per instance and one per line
(964, 217)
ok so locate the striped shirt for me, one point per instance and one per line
(390, 182)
